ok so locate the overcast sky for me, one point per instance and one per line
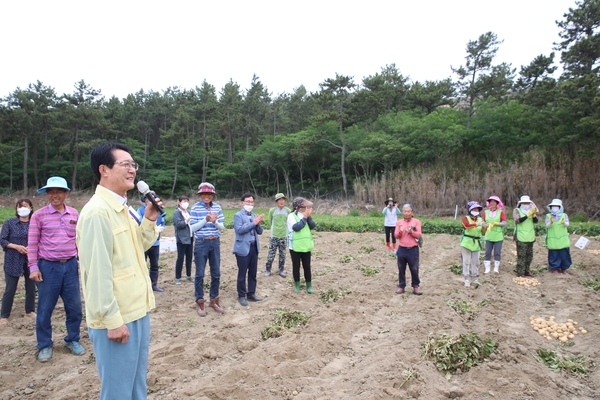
(123, 46)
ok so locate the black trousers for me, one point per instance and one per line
(304, 259)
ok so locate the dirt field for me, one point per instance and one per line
(356, 348)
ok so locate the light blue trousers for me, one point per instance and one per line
(123, 367)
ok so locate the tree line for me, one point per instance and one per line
(326, 142)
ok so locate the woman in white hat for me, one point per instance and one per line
(525, 216)
(557, 238)
(470, 243)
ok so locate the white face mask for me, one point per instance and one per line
(248, 208)
(525, 207)
(474, 213)
(184, 205)
(23, 211)
(555, 208)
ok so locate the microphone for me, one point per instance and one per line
(145, 190)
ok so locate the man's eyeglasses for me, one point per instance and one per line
(128, 164)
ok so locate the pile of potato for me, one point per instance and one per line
(527, 282)
(553, 330)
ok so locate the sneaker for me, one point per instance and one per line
(564, 271)
(529, 275)
(3, 321)
(268, 273)
(31, 314)
(243, 301)
(554, 271)
(75, 347)
(476, 282)
(189, 278)
(178, 281)
(45, 354)
(467, 283)
(282, 274)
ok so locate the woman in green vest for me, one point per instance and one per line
(525, 216)
(470, 243)
(494, 237)
(557, 238)
(300, 241)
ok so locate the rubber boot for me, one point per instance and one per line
(496, 266)
(297, 284)
(216, 305)
(201, 311)
(394, 247)
(387, 246)
(487, 264)
(154, 280)
(309, 288)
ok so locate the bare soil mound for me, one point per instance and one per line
(357, 347)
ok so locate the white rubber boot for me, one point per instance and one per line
(487, 264)
(496, 266)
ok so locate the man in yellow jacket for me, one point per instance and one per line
(114, 276)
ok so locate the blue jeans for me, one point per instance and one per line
(123, 367)
(207, 250)
(59, 279)
(559, 259)
(408, 256)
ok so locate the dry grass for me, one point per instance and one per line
(437, 189)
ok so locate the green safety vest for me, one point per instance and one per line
(471, 236)
(525, 230)
(301, 241)
(495, 234)
(557, 236)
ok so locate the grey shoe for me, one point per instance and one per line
(282, 274)
(45, 354)
(243, 301)
(268, 273)
(253, 297)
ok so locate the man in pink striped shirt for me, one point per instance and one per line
(408, 232)
(52, 261)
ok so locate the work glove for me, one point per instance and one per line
(531, 213)
(491, 225)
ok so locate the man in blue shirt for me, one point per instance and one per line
(207, 220)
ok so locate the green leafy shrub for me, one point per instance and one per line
(345, 259)
(375, 214)
(578, 366)
(367, 270)
(354, 213)
(332, 295)
(456, 268)
(284, 321)
(593, 283)
(453, 353)
(463, 307)
(366, 249)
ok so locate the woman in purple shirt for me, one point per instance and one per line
(13, 240)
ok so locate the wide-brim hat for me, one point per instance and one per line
(280, 196)
(54, 182)
(556, 202)
(388, 200)
(524, 199)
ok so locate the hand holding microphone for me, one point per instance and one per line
(156, 203)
